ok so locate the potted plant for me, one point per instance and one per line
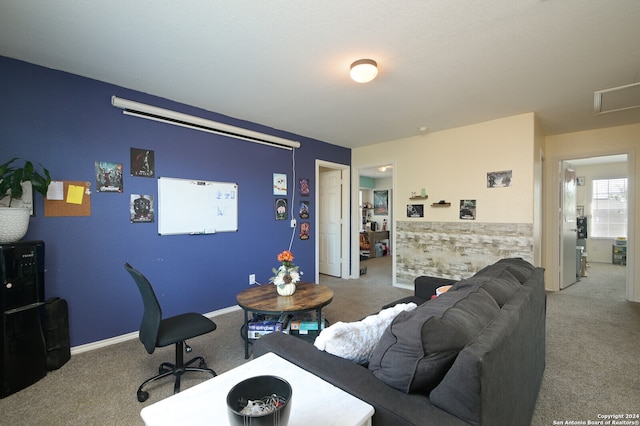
(14, 220)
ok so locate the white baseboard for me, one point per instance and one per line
(134, 334)
(404, 286)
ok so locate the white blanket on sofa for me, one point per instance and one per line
(355, 341)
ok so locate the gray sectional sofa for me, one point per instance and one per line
(474, 355)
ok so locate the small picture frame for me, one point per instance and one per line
(108, 176)
(580, 181)
(279, 184)
(304, 230)
(304, 187)
(142, 162)
(304, 210)
(468, 209)
(281, 209)
(381, 203)
(141, 209)
(502, 179)
(415, 210)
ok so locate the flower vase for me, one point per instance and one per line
(286, 289)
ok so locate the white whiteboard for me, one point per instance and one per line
(191, 206)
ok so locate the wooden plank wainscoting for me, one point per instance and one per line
(457, 250)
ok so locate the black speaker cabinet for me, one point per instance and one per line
(23, 356)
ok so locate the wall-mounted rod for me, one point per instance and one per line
(162, 115)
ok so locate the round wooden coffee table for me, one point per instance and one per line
(264, 299)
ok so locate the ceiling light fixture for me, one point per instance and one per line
(364, 70)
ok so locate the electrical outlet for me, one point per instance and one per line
(252, 279)
(293, 223)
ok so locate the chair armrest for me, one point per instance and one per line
(425, 286)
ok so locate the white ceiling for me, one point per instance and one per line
(284, 64)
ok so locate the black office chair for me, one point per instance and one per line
(156, 332)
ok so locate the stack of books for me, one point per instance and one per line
(264, 324)
(305, 324)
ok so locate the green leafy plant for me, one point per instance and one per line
(11, 179)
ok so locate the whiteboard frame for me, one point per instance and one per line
(195, 206)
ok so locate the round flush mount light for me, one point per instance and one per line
(364, 70)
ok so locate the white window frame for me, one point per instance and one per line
(609, 208)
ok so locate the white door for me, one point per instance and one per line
(568, 231)
(330, 222)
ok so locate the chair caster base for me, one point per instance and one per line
(143, 396)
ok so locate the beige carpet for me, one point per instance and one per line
(593, 350)
(592, 357)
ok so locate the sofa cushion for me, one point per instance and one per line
(499, 283)
(418, 347)
(355, 341)
(520, 268)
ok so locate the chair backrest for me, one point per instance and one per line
(152, 311)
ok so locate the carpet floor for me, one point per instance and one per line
(593, 342)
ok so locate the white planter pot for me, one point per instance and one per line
(14, 222)
(286, 289)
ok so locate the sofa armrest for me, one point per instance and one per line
(392, 407)
(425, 286)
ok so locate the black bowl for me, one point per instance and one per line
(255, 389)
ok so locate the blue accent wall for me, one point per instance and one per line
(66, 122)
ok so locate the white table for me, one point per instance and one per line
(314, 401)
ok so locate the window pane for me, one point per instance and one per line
(609, 208)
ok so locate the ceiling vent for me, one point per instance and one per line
(616, 99)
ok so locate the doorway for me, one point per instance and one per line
(331, 219)
(596, 249)
(568, 226)
(375, 183)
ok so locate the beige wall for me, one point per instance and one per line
(452, 165)
(593, 143)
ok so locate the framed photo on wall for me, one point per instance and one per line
(381, 203)
(500, 179)
(304, 230)
(468, 209)
(281, 208)
(304, 187)
(143, 162)
(279, 184)
(415, 210)
(304, 210)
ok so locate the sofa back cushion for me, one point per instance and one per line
(520, 268)
(499, 283)
(495, 379)
(419, 347)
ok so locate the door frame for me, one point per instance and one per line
(345, 260)
(553, 268)
(355, 222)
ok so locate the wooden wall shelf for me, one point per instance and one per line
(419, 197)
(441, 205)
